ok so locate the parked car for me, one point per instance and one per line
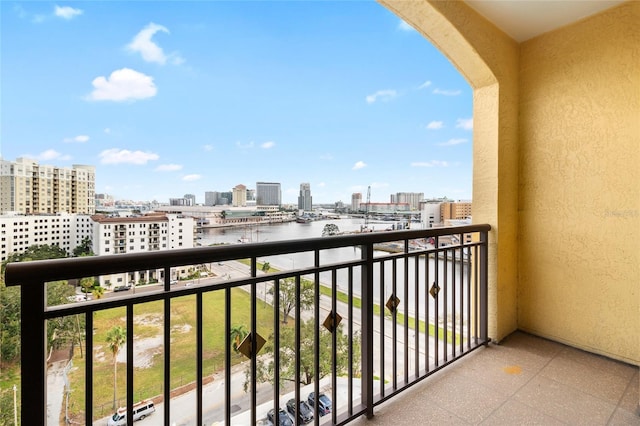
(122, 288)
(324, 403)
(284, 419)
(140, 411)
(305, 413)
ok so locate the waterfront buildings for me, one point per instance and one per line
(411, 198)
(304, 199)
(30, 188)
(356, 200)
(180, 201)
(239, 196)
(268, 194)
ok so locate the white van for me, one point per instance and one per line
(140, 411)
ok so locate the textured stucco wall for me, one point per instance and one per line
(488, 59)
(579, 190)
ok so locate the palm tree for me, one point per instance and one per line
(265, 268)
(116, 337)
(237, 333)
(98, 292)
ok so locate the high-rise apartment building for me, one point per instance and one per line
(356, 200)
(191, 197)
(268, 194)
(239, 196)
(139, 234)
(304, 199)
(411, 198)
(210, 198)
(457, 210)
(30, 188)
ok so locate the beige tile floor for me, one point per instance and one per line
(525, 380)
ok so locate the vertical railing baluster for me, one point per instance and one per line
(436, 341)
(227, 355)
(427, 320)
(130, 336)
(394, 320)
(367, 329)
(453, 302)
(383, 297)
(276, 352)
(350, 349)
(484, 297)
(445, 305)
(406, 311)
(199, 361)
(316, 343)
(88, 367)
(167, 347)
(254, 330)
(298, 339)
(33, 353)
(334, 344)
(416, 322)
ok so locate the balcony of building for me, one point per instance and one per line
(556, 137)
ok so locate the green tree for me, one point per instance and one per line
(238, 333)
(288, 295)
(84, 249)
(288, 349)
(116, 338)
(57, 294)
(97, 292)
(87, 283)
(265, 267)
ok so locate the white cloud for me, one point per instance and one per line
(424, 85)
(50, 154)
(359, 165)
(435, 125)
(38, 19)
(123, 85)
(79, 138)
(120, 156)
(191, 178)
(207, 147)
(149, 50)
(245, 145)
(432, 163)
(384, 96)
(403, 26)
(66, 12)
(447, 92)
(465, 123)
(107, 131)
(168, 167)
(267, 145)
(452, 142)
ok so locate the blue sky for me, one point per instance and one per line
(169, 98)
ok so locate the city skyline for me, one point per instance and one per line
(170, 100)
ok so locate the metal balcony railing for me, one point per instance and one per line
(407, 312)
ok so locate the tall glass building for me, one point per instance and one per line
(268, 194)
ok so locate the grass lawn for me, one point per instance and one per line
(148, 323)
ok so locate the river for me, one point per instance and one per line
(293, 230)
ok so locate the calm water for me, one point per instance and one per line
(293, 230)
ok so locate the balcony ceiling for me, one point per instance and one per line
(525, 19)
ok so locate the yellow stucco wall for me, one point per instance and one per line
(579, 191)
(556, 157)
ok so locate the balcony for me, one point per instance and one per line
(429, 301)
